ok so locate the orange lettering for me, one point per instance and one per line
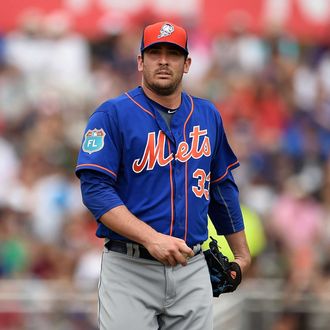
(206, 147)
(183, 152)
(195, 135)
(200, 189)
(153, 152)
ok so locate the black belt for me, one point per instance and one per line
(131, 249)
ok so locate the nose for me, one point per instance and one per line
(163, 58)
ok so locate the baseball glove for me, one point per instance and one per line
(225, 276)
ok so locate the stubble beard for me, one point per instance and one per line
(163, 89)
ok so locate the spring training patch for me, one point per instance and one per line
(94, 140)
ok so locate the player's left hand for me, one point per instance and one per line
(225, 276)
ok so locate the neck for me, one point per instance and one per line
(172, 101)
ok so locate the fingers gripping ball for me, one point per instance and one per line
(225, 276)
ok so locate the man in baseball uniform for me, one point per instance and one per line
(154, 162)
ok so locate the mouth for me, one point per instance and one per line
(163, 73)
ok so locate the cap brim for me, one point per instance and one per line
(184, 50)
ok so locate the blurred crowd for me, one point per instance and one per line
(273, 92)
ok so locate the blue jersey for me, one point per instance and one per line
(162, 174)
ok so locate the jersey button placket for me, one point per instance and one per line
(178, 173)
(179, 183)
(179, 199)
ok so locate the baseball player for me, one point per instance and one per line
(154, 162)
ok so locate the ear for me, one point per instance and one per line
(187, 64)
(140, 63)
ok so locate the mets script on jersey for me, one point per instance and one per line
(155, 151)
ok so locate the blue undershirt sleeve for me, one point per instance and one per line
(98, 192)
(224, 209)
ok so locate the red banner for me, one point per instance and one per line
(304, 18)
(11, 11)
(220, 16)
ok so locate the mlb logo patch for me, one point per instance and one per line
(94, 140)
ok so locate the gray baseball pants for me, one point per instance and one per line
(142, 294)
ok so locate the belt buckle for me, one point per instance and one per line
(196, 248)
(133, 250)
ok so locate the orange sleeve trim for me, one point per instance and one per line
(98, 166)
(221, 177)
(140, 106)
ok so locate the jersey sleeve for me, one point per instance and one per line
(100, 148)
(224, 209)
(224, 158)
(98, 192)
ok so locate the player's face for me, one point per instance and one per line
(162, 68)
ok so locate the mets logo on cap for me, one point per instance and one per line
(94, 140)
(166, 30)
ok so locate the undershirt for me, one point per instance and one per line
(166, 113)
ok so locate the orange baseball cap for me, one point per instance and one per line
(164, 32)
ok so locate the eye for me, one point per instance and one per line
(175, 52)
(153, 51)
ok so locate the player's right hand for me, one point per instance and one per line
(169, 250)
